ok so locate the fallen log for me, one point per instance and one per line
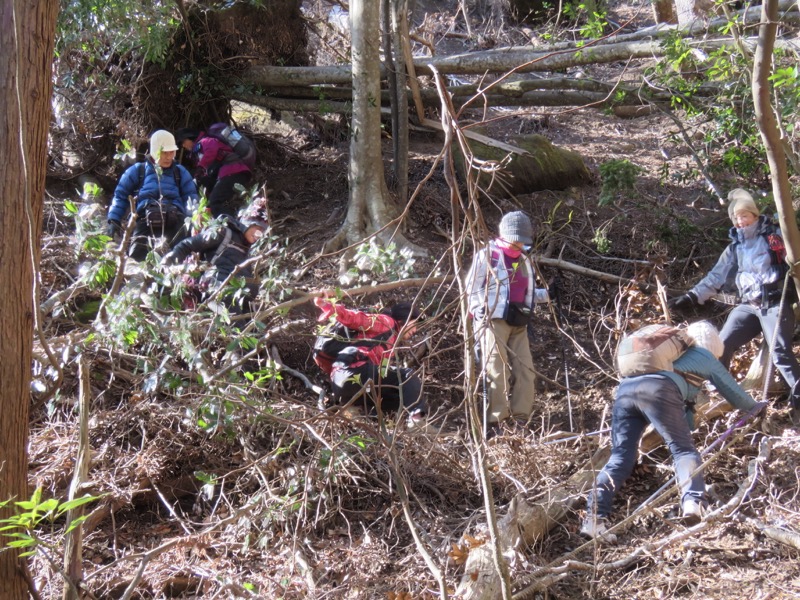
(504, 60)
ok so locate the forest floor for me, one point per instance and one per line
(291, 501)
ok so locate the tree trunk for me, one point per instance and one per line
(770, 133)
(370, 210)
(26, 57)
(664, 11)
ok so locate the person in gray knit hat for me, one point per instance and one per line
(756, 258)
(502, 292)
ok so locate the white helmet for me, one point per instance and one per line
(162, 141)
(705, 335)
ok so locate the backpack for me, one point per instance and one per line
(651, 349)
(244, 149)
(335, 337)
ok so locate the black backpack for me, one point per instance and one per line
(336, 337)
(244, 149)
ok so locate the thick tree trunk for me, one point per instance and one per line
(26, 55)
(517, 59)
(770, 133)
(370, 210)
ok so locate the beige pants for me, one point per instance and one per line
(506, 353)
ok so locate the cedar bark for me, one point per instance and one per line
(27, 36)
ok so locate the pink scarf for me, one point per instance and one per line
(507, 248)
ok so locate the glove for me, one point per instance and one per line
(760, 408)
(170, 258)
(683, 302)
(114, 230)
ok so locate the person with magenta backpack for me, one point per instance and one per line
(164, 194)
(223, 159)
(502, 293)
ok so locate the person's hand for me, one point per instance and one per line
(114, 230)
(687, 300)
(760, 408)
(170, 258)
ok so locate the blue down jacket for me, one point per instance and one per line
(164, 187)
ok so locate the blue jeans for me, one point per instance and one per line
(641, 400)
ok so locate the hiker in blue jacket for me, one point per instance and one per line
(756, 257)
(164, 193)
(666, 400)
(225, 244)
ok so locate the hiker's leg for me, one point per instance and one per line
(401, 387)
(523, 389)
(349, 382)
(140, 238)
(627, 425)
(494, 353)
(782, 354)
(741, 326)
(224, 199)
(664, 408)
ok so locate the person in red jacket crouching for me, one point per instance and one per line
(359, 347)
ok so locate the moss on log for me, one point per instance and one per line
(544, 167)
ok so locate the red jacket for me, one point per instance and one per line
(368, 325)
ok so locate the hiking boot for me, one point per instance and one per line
(693, 510)
(596, 528)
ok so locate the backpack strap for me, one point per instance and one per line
(227, 242)
(142, 170)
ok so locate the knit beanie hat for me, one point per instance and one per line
(739, 200)
(705, 335)
(516, 227)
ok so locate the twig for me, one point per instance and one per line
(73, 544)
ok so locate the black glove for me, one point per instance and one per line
(114, 230)
(688, 300)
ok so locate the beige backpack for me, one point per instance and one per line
(650, 349)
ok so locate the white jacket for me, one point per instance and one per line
(488, 286)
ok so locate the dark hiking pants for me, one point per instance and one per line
(641, 400)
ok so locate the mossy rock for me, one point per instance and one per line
(545, 167)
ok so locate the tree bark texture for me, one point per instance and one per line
(27, 35)
(544, 167)
(770, 134)
(367, 184)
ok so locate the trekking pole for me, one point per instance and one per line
(771, 343)
(558, 317)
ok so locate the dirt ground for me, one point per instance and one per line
(306, 503)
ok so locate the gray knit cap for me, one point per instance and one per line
(516, 227)
(740, 199)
